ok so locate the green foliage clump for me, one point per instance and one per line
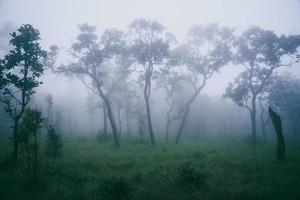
(115, 188)
(54, 142)
(29, 138)
(190, 178)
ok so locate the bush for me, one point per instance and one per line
(115, 188)
(190, 178)
(54, 142)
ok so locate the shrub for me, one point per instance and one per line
(115, 188)
(189, 177)
(54, 142)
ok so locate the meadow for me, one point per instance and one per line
(207, 169)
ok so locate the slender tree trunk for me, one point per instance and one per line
(127, 124)
(167, 128)
(263, 125)
(15, 140)
(262, 120)
(120, 122)
(182, 123)
(28, 161)
(112, 122)
(253, 119)
(35, 156)
(104, 120)
(109, 114)
(147, 89)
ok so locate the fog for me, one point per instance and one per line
(58, 23)
(160, 99)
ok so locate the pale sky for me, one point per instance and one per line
(57, 20)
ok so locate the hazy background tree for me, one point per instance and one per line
(260, 52)
(207, 49)
(169, 81)
(149, 47)
(90, 56)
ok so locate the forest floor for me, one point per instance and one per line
(91, 170)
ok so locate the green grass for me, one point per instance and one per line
(206, 170)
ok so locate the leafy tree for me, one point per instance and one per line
(260, 52)
(20, 70)
(150, 45)
(207, 49)
(90, 56)
(31, 123)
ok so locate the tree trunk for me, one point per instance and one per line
(109, 114)
(167, 128)
(15, 140)
(105, 120)
(280, 139)
(263, 127)
(120, 122)
(147, 89)
(182, 123)
(262, 120)
(253, 119)
(187, 109)
(127, 124)
(112, 121)
(35, 156)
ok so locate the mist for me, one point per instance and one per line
(212, 82)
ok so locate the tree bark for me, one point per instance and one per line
(182, 123)
(109, 114)
(187, 110)
(167, 127)
(127, 124)
(280, 138)
(112, 121)
(262, 120)
(105, 120)
(120, 122)
(147, 89)
(253, 119)
(15, 140)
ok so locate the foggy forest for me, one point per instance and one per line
(152, 99)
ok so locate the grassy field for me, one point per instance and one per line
(91, 170)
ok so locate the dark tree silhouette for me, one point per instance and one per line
(276, 119)
(20, 70)
(285, 96)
